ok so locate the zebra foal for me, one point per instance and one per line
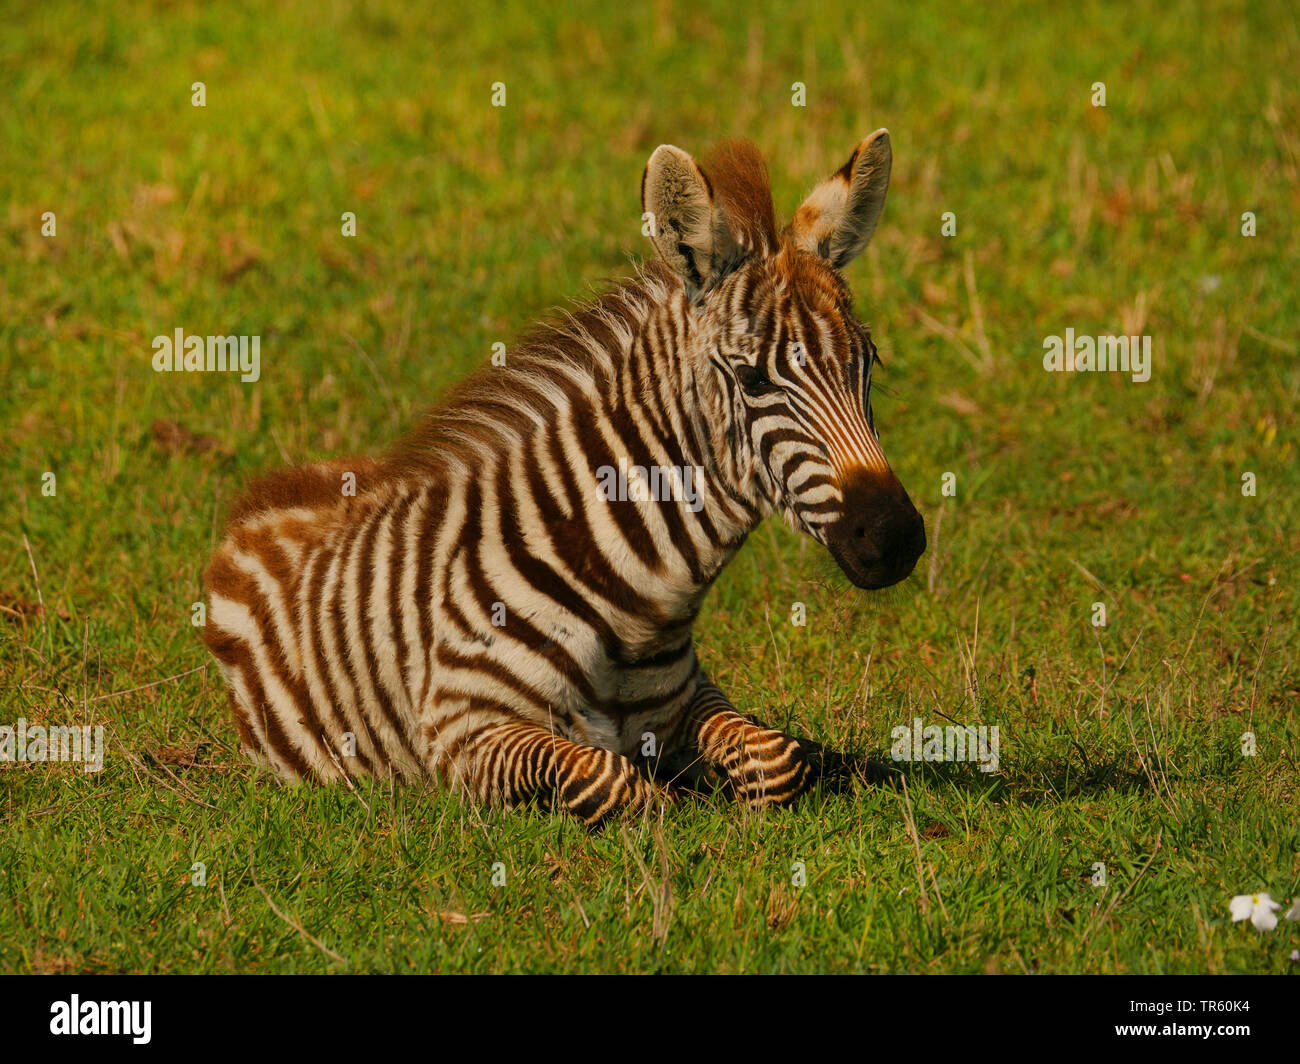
(477, 607)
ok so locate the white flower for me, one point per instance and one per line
(1259, 909)
(1293, 913)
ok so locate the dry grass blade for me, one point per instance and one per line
(290, 921)
(910, 822)
(450, 916)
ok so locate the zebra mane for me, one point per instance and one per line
(499, 404)
(738, 178)
(556, 357)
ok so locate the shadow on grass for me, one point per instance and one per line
(1042, 782)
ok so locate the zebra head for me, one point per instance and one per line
(780, 359)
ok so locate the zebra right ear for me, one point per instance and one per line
(688, 227)
(838, 220)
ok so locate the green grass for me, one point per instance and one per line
(1119, 745)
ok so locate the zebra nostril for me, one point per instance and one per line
(860, 532)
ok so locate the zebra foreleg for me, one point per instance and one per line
(505, 760)
(765, 766)
(768, 767)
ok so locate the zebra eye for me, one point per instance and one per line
(754, 380)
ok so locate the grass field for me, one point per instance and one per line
(1120, 744)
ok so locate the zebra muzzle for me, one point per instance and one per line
(881, 536)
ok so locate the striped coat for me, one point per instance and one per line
(504, 603)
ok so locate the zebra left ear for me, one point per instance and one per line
(838, 220)
(688, 227)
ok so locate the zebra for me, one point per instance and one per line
(470, 610)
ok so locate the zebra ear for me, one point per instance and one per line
(838, 220)
(688, 227)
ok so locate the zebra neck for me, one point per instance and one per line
(669, 366)
(625, 480)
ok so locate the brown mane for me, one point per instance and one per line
(496, 401)
(738, 178)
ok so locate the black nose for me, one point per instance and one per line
(881, 535)
(894, 532)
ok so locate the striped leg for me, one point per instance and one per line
(765, 766)
(503, 759)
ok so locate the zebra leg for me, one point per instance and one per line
(503, 759)
(768, 767)
(765, 766)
